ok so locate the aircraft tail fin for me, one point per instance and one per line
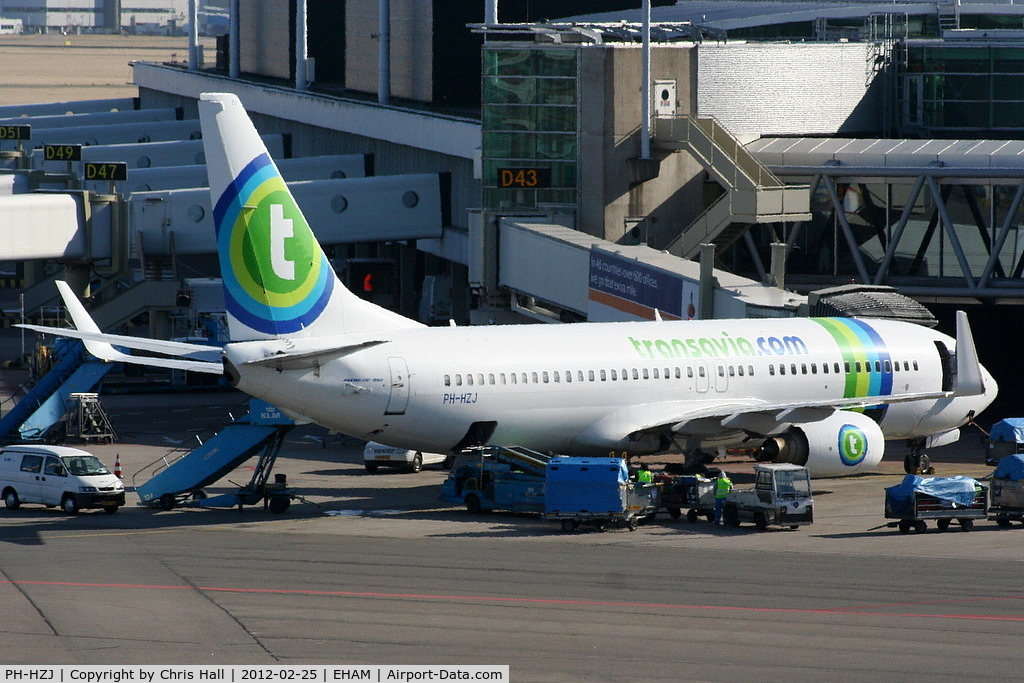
(277, 280)
(969, 377)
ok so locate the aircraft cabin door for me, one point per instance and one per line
(721, 377)
(703, 379)
(399, 397)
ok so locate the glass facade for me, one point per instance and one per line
(530, 122)
(964, 91)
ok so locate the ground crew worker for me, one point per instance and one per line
(722, 488)
(644, 475)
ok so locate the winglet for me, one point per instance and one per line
(83, 321)
(969, 381)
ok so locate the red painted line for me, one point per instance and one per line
(858, 611)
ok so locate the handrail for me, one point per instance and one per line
(738, 154)
(721, 153)
(707, 227)
(167, 458)
(752, 190)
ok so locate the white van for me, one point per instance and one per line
(378, 455)
(57, 475)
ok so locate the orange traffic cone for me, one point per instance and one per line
(117, 466)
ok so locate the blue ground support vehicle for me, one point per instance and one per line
(596, 491)
(494, 478)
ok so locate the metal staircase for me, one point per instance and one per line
(525, 459)
(147, 295)
(752, 193)
(85, 418)
(949, 15)
(42, 295)
(172, 481)
(45, 405)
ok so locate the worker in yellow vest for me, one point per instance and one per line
(644, 475)
(722, 488)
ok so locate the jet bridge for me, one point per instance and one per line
(147, 155)
(85, 227)
(107, 134)
(339, 211)
(71, 107)
(292, 170)
(104, 118)
(941, 199)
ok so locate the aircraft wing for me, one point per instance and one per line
(765, 417)
(713, 417)
(192, 357)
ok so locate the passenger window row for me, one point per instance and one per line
(847, 367)
(603, 375)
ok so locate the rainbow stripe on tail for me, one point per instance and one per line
(277, 280)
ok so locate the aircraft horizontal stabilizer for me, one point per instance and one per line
(308, 359)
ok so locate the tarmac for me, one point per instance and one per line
(68, 68)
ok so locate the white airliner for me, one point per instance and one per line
(825, 392)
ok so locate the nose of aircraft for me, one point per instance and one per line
(991, 389)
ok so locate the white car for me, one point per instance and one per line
(378, 455)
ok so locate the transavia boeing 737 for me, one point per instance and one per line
(824, 392)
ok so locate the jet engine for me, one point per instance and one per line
(845, 443)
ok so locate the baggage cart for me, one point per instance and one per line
(1006, 500)
(1005, 439)
(692, 493)
(941, 499)
(596, 492)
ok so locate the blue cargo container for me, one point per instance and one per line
(595, 491)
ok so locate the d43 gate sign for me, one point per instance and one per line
(524, 177)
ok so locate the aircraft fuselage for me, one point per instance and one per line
(590, 389)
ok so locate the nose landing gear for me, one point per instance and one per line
(917, 462)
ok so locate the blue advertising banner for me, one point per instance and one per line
(635, 288)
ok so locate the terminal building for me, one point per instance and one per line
(734, 159)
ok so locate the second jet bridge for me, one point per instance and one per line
(339, 211)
